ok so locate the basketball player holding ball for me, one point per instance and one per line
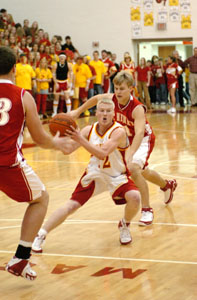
(108, 143)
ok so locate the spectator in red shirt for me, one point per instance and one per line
(142, 77)
(58, 48)
(160, 82)
(172, 70)
(23, 46)
(42, 51)
(45, 39)
(7, 18)
(110, 70)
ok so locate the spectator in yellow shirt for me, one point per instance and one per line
(81, 81)
(43, 77)
(25, 74)
(100, 71)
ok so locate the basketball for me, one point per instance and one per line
(61, 122)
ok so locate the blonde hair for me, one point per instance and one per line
(105, 101)
(123, 76)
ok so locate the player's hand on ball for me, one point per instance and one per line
(74, 133)
(61, 143)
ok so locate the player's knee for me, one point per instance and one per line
(44, 199)
(134, 169)
(72, 206)
(146, 173)
(133, 199)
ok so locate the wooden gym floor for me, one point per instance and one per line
(82, 258)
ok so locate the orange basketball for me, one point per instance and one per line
(61, 122)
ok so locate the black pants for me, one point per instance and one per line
(152, 93)
(180, 90)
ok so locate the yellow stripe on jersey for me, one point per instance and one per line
(96, 130)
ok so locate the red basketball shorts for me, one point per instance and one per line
(82, 93)
(117, 190)
(20, 183)
(62, 86)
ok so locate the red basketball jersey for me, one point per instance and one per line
(12, 120)
(123, 115)
(108, 64)
(172, 74)
(129, 68)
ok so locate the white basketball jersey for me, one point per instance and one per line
(115, 163)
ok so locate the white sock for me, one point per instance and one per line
(127, 223)
(25, 244)
(42, 231)
(68, 105)
(55, 106)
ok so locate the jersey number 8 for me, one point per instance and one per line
(5, 106)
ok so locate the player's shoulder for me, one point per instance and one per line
(27, 99)
(138, 110)
(118, 130)
(85, 131)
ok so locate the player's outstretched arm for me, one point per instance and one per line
(38, 134)
(88, 104)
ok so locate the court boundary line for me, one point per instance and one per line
(111, 258)
(102, 222)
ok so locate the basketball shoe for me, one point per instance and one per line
(38, 243)
(125, 236)
(21, 267)
(146, 216)
(168, 190)
(171, 110)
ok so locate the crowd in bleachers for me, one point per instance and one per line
(156, 82)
